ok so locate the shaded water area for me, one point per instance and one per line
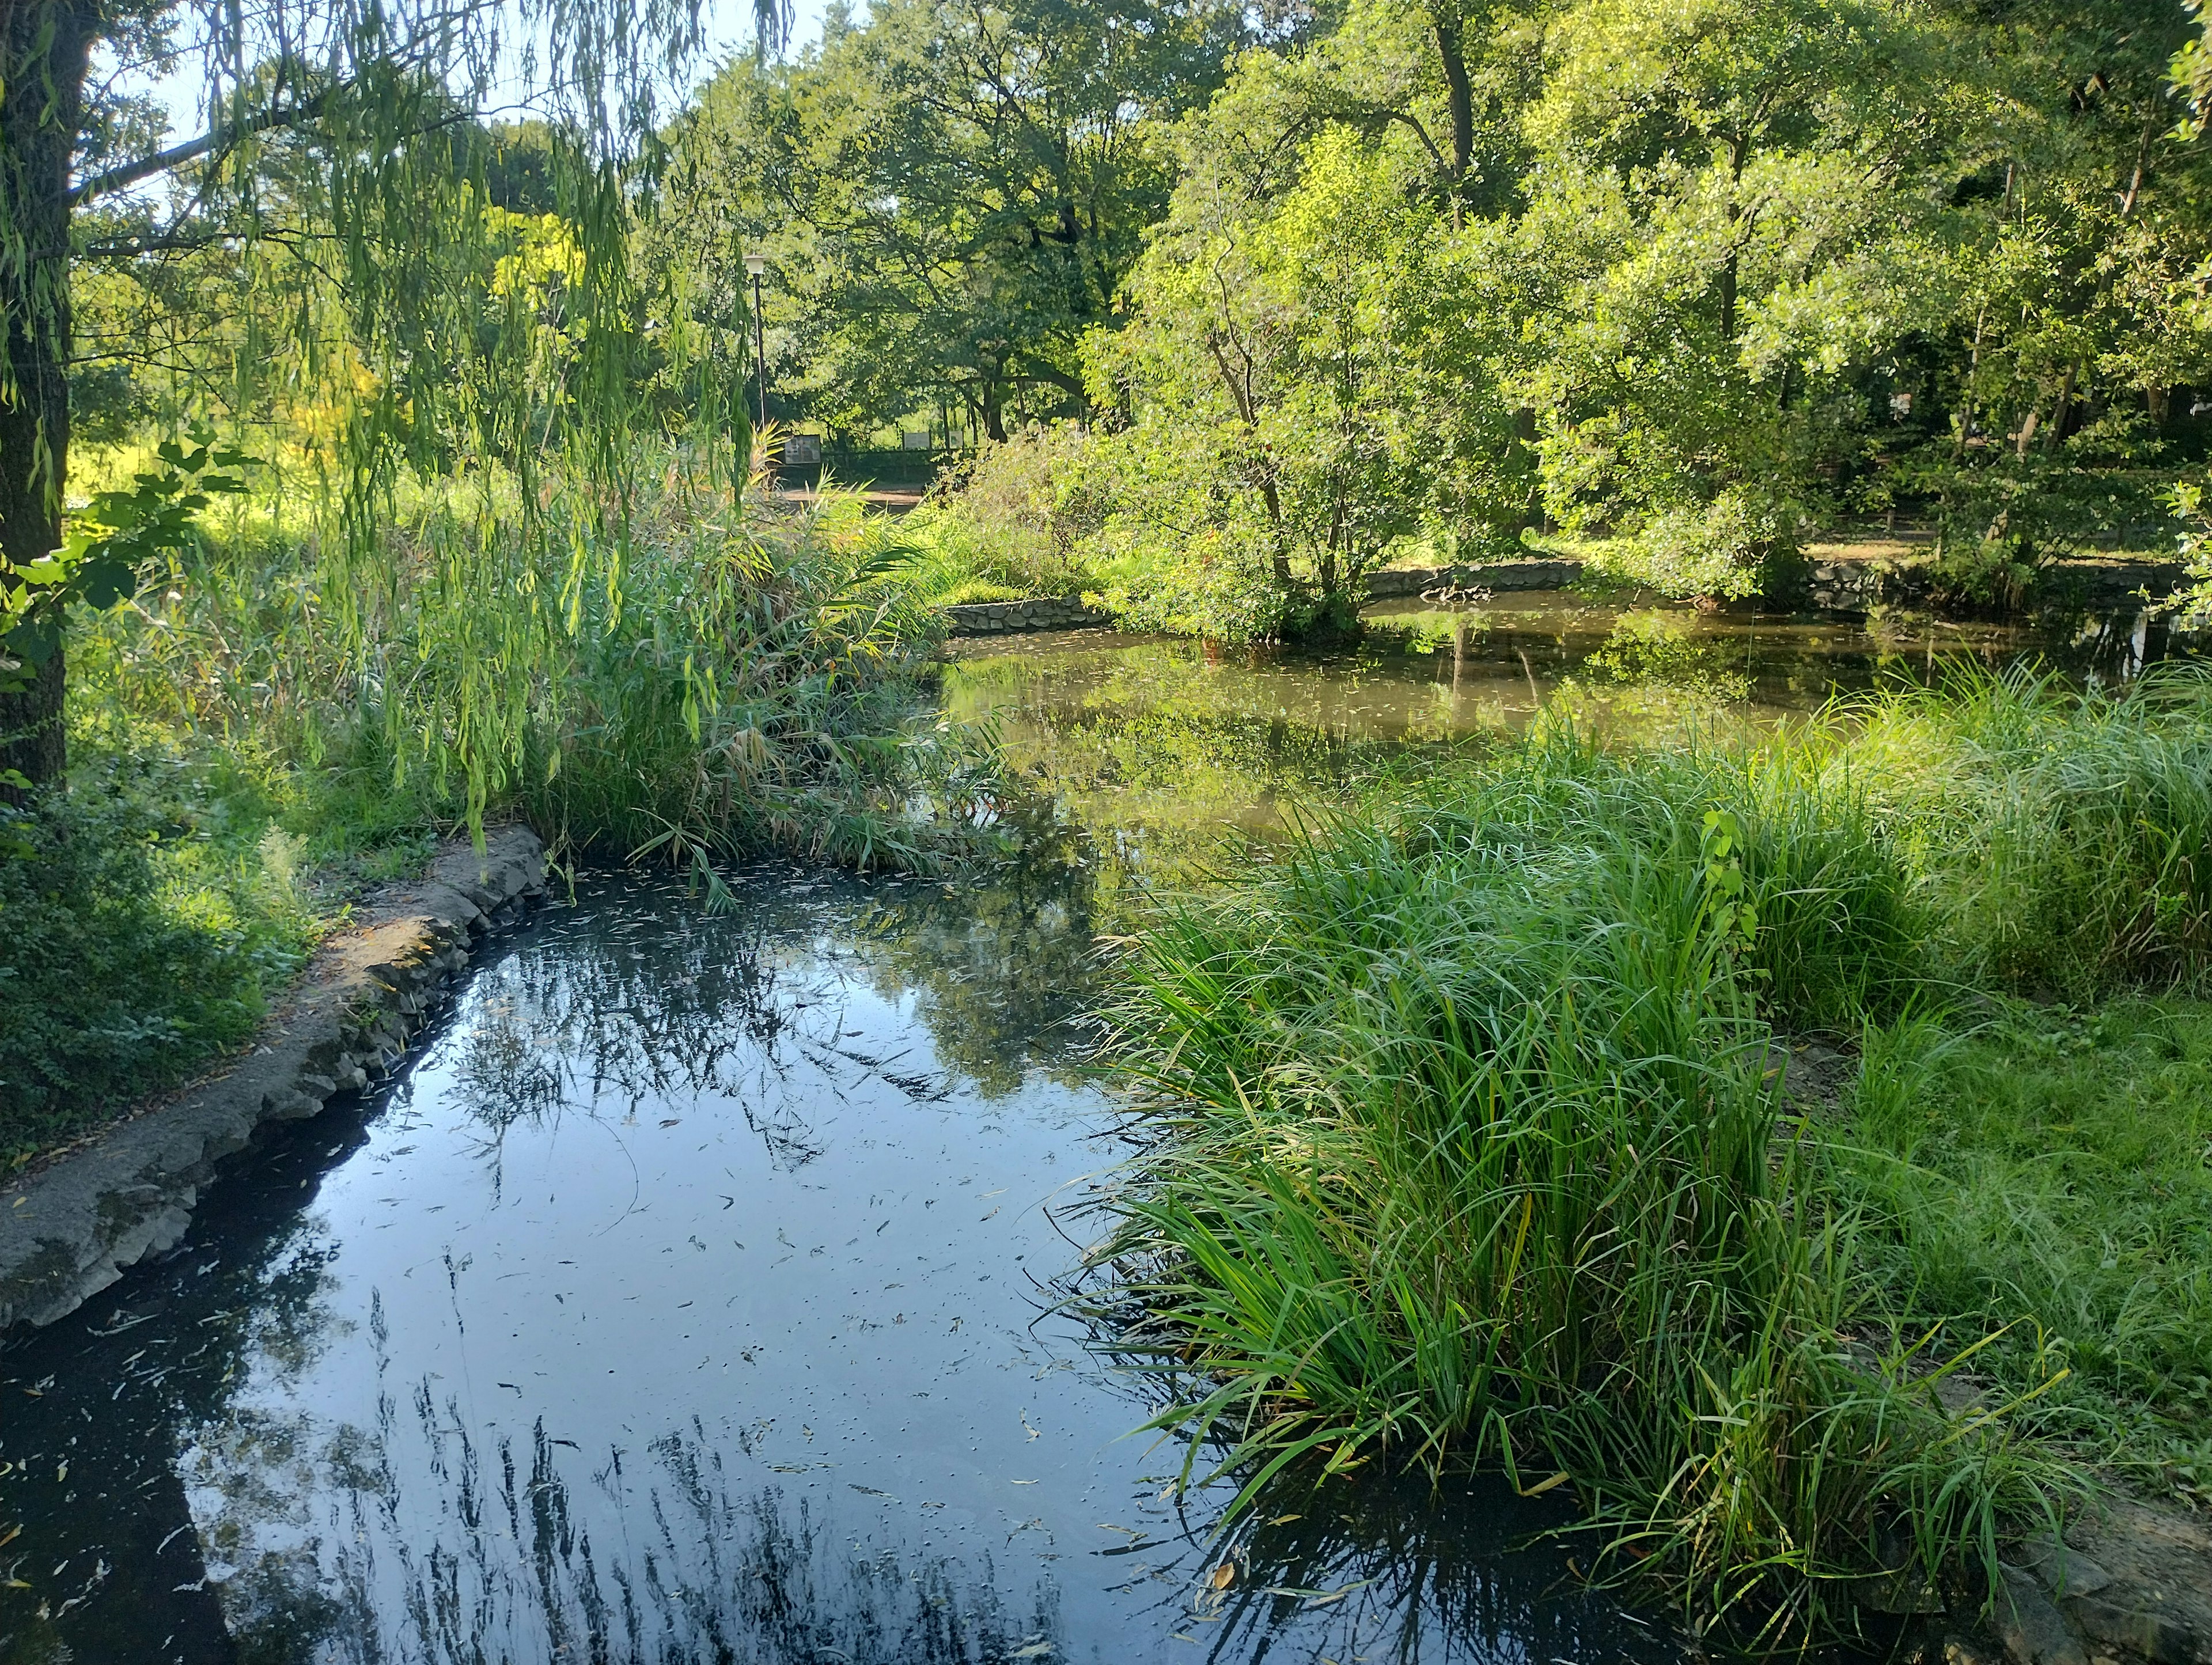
(690, 1295)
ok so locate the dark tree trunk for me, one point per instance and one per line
(1733, 264)
(44, 49)
(1461, 89)
(994, 416)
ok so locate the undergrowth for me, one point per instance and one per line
(1471, 1147)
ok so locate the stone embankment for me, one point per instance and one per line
(998, 618)
(1840, 578)
(1498, 577)
(1846, 580)
(69, 1227)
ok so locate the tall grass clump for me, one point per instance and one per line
(702, 676)
(2063, 837)
(1471, 1150)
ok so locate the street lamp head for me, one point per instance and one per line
(756, 264)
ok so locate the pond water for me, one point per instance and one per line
(1165, 740)
(690, 1295)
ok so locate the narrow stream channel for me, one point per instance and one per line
(689, 1296)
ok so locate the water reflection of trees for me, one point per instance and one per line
(539, 1551)
(673, 1001)
(108, 1562)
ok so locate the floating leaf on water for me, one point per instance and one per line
(870, 1491)
(1223, 1576)
(1035, 1650)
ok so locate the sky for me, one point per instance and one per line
(728, 24)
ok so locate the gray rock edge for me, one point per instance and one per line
(71, 1228)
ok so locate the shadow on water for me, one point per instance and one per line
(686, 1300)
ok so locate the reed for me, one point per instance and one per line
(1469, 1145)
(701, 677)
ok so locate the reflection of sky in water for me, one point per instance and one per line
(683, 1303)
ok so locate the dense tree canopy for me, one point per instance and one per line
(1699, 275)
(951, 195)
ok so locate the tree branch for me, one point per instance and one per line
(216, 140)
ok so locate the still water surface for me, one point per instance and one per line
(689, 1297)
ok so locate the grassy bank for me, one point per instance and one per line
(1472, 1148)
(274, 724)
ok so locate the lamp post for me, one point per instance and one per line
(757, 265)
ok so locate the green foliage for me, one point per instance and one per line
(1690, 280)
(1021, 522)
(137, 946)
(2042, 1167)
(753, 680)
(949, 197)
(1472, 1151)
(115, 534)
(2063, 835)
(1471, 1147)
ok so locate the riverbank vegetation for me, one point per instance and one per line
(1251, 302)
(248, 759)
(1480, 1139)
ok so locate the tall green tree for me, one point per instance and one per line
(951, 195)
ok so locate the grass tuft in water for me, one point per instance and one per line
(1472, 1147)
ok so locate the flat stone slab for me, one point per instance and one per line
(69, 1227)
(2138, 1579)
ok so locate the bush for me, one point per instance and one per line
(1719, 550)
(1018, 524)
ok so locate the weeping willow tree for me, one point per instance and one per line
(340, 165)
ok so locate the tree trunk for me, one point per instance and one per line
(1730, 268)
(994, 418)
(44, 49)
(1461, 100)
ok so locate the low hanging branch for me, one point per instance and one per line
(216, 140)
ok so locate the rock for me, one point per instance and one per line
(2064, 1571)
(2033, 1631)
(2156, 1598)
